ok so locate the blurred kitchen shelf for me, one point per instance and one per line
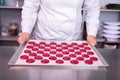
(8, 38)
(102, 40)
(8, 41)
(10, 7)
(110, 10)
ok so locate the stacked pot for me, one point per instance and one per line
(111, 31)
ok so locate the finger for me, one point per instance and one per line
(93, 42)
(23, 38)
(19, 41)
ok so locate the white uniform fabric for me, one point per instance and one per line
(59, 19)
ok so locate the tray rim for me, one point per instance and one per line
(15, 56)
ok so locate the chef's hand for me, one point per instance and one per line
(23, 38)
(92, 40)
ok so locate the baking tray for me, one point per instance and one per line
(12, 63)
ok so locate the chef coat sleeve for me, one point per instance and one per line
(92, 10)
(29, 14)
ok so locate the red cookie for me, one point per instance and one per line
(52, 58)
(41, 47)
(82, 50)
(59, 61)
(53, 43)
(53, 47)
(72, 55)
(64, 47)
(64, 43)
(47, 45)
(30, 60)
(65, 52)
(45, 61)
(38, 57)
(74, 62)
(69, 45)
(31, 42)
(74, 43)
(85, 44)
(43, 43)
(94, 58)
(71, 50)
(85, 55)
(66, 58)
(59, 50)
(27, 51)
(89, 62)
(46, 54)
(34, 49)
(59, 55)
(40, 52)
(37, 45)
(29, 46)
(90, 53)
(52, 52)
(32, 54)
(76, 48)
(78, 53)
(80, 58)
(24, 57)
(87, 48)
(58, 45)
(80, 46)
(47, 49)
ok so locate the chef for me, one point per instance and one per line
(59, 20)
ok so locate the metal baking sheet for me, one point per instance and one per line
(13, 65)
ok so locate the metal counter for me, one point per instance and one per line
(112, 56)
(102, 66)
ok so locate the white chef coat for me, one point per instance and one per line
(59, 19)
